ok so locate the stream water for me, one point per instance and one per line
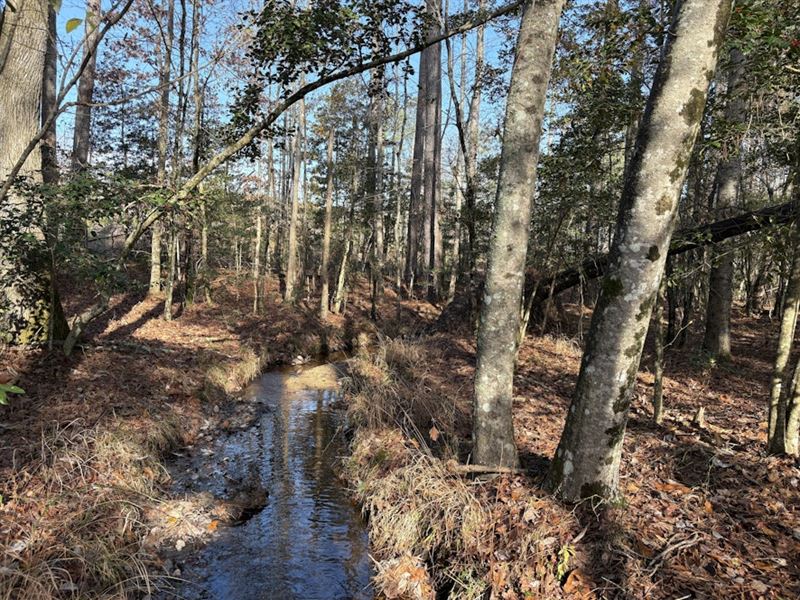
(308, 541)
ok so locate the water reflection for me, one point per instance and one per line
(309, 542)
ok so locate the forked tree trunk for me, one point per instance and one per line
(493, 431)
(326, 234)
(81, 140)
(588, 456)
(29, 308)
(717, 340)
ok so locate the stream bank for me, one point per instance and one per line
(270, 517)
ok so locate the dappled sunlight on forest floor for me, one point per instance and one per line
(81, 457)
(705, 513)
(86, 501)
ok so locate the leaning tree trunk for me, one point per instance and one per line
(588, 456)
(717, 340)
(29, 310)
(81, 140)
(493, 431)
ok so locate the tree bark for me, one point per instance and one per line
(81, 140)
(165, 72)
(717, 340)
(658, 366)
(778, 409)
(588, 456)
(50, 174)
(374, 190)
(493, 431)
(431, 156)
(417, 166)
(326, 233)
(297, 151)
(29, 308)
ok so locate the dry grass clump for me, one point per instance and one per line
(73, 520)
(392, 387)
(469, 537)
(231, 376)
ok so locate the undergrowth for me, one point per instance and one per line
(76, 510)
(433, 530)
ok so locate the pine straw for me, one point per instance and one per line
(76, 518)
(430, 528)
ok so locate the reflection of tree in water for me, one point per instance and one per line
(317, 532)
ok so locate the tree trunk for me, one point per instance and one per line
(375, 187)
(29, 308)
(717, 340)
(588, 456)
(493, 431)
(297, 150)
(326, 234)
(471, 156)
(165, 72)
(50, 173)
(417, 166)
(432, 150)
(258, 225)
(776, 441)
(171, 264)
(81, 141)
(658, 366)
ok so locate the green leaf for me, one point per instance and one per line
(72, 24)
(6, 389)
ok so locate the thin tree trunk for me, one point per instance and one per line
(163, 142)
(717, 340)
(297, 149)
(258, 224)
(493, 431)
(778, 395)
(471, 156)
(326, 235)
(588, 456)
(432, 149)
(81, 140)
(658, 366)
(50, 173)
(171, 265)
(417, 167)
(375, 187)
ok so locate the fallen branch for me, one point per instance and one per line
(683, 241)
(455, 467)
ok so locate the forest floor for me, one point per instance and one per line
(705, 513)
